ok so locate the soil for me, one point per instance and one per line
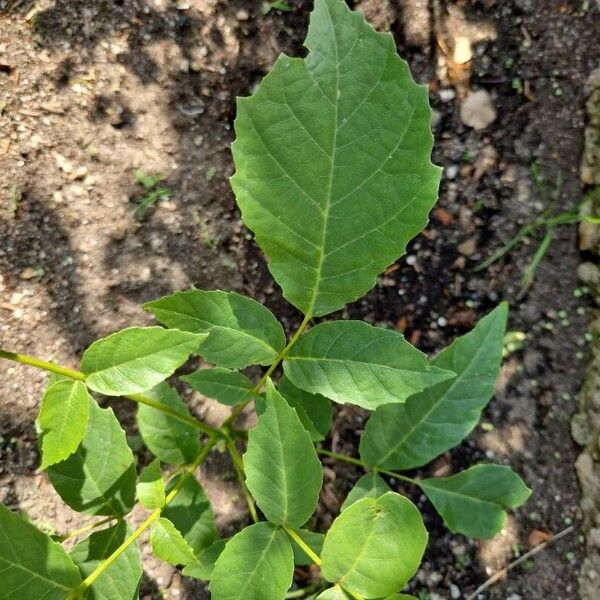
(91, 91)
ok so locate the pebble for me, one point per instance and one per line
(28, 273)
(589, 273)
(447, 94)
(454, 592)
(451, 172)
(477, 110)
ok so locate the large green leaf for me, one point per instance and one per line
(191, 512)
(121, 580)
(31, 564)
(283, 471)
(332, 155)
(369, 485)
(352, 361)
(257, 564)
(204, 565)
(375, 546)
(63, 420)
(473, 502)
(315, 411)
(136, 359)
(99, 477)
(241, 331)
(168, 438)
(151, 486)
(429, 423)
(226, 386)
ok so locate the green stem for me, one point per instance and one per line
(238, 465)
(76, 532)
(280, 356)
(360, 463)
(314, 557)
(24, 359)
(304, 546)
(80, 590)
(140, 399)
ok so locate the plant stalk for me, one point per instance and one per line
(24, 359)
(360, 463)
(280, 356)
(304, 546)
(86, 528)
(80, 590)
(238, 465)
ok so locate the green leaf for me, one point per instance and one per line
(315, 411)
(99, 477)
(203, 566)
(121, 580)
(31, 564)
(226, 386)
(63, 420)
(473, 502)
(191, 512)
(401, 597)
(370, 485)
(313, 540)
(168, 438)
(351, 361)
(429, 423)
(333, 170)
(375, 546)
(169, 545)
(241, 331)
(334, 593)
(151, 486)
(136, 359)
(283, 471)
(257, 563)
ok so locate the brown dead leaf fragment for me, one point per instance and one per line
(537, 537)
(445, 217)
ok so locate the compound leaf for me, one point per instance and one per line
(151, 486)
(63, 420)
(136, 359)
(169, 545)
(283, 471)
(192, 514)
(99, 477)
(167, 437)
(352, 361)
(315, 411)
(473, 502)
(431, 422)
(370, 485)
(321, 139)
(226, 386)
(375, 546)
(121, 580)
(241, 331)
(31, 564)
(203, 566)
(257, 563)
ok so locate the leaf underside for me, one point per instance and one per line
(332, 155)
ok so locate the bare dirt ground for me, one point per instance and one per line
(92, 90)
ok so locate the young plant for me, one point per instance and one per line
(333, 176)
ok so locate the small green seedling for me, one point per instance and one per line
(544, 224)
(151, 194)
(334, 178)
(267, 7)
